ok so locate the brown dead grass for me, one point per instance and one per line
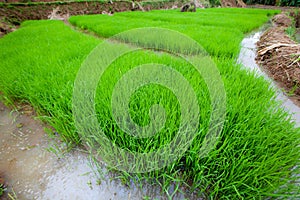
(279, 55)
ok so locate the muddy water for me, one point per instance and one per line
(247, 58)
(31, 171)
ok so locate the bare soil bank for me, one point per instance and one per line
(279, 55)
(11, 15)
(16, 13)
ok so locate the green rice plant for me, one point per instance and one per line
(226, 41)
(241, 19)
(258, 148)
(40, 45)
(2, 189)
(219, 31)
(291, 31)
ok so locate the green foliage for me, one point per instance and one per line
(264, 2)
(291, 31)
(289, 3)
(219, 31)
(2, 189)
(258, 146)
(40, 45)
(275, 2)
(214, 3)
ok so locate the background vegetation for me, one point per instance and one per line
(275, 2)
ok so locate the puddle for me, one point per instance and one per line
(32, 172)
(247, 58)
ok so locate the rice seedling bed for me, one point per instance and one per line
(258, 146)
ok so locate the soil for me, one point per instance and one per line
(279, 55)
(233, 3)
(6, 27)
(13, 14)
(282, 20)
(17, 13)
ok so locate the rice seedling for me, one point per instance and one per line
(219, 31)
(258, 147)
(46, 56)
(2, 189)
